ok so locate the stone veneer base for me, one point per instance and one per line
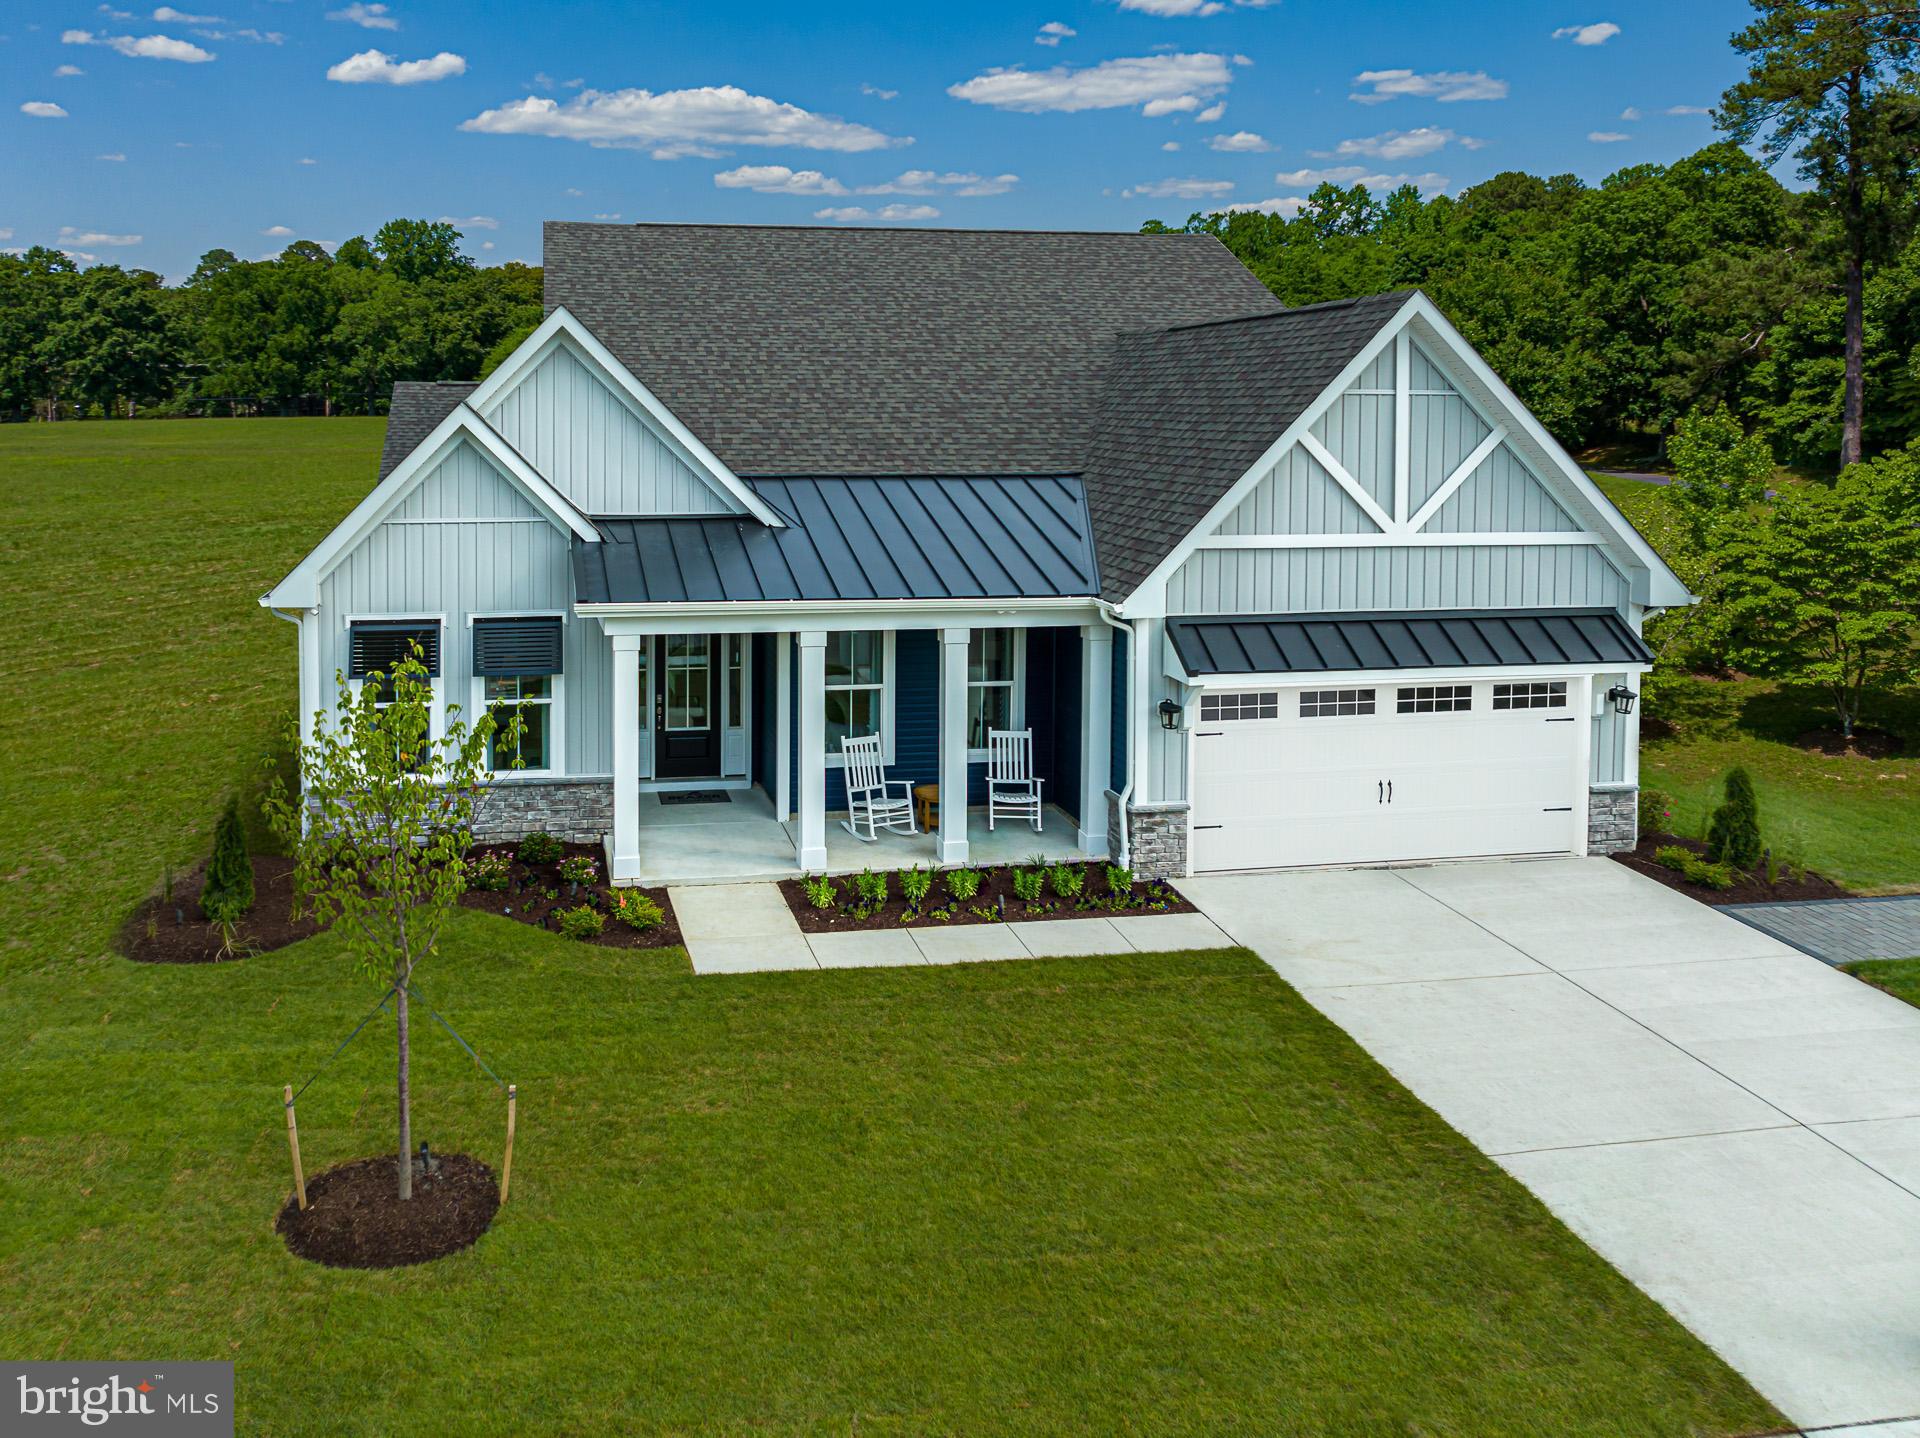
(1613, 820)
(577, 810)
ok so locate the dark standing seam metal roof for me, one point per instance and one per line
(418, 406)
(812, 350)
(1439, 639)
(862, 537)
(1189, 410)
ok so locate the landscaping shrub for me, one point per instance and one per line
(585, 922)
(915, 884)
(870, 888)
(1656, 811)
(1067, 880)
(1119, 881)
(580, 869)
(1712, 876)
(634, 909)
(820, 891)
(491, 871)
(1733, 835)
(1028, 885)
(228, 892)
(1674, 856)
(539, 847)
(963, 884)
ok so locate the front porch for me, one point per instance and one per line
(740, 839)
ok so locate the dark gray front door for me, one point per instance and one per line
(686, 706)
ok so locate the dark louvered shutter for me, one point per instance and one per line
(379, 645)
(516, 646)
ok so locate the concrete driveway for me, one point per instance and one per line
(1733, 1124)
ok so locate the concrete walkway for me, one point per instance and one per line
(748, 928)
(1731, 1123)
(1841, 931)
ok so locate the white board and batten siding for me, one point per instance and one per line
(465, 541)
(1453, 557)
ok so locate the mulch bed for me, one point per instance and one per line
(1749, 890)
(995, 903)
(525, 899)
(355, 1219)
(159, 932)
(1865, 743)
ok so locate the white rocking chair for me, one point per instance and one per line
(870, 797)
(1011, 788)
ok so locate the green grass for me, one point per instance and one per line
(1145, 1194)
(1899, 977)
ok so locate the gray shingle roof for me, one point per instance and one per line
(796, 350)
(1403, 639)
(1187, 411)
(1013, 536)
(418, 405)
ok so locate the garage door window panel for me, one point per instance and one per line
(1335, 703)
(1533, 694)
(1226, 708)
(1434, 699)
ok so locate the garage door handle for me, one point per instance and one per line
(1389, 791)
(1567, 720)
(1558, 809)
(1380, 791)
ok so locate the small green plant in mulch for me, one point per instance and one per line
(1119, 881)
(635, 910)
(1674, 856)
(870, 888)
(491, 870)
(1733, 834)
(963, 884)
(539, 847)
(1656, 812)
(579, 869)
(820, 891)
(584, 922)
(1028, 885)
(228, 892)
(1067, 880)
(1696, 870)
(915, 884)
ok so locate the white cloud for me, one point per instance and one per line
(6, 234)
(1174, 9)
(376, 67)
(614, 215)
(1240, 142)
(113, 14)
(877, 92)
(1288, 205)
(1596, 34)
(84, 257)
(167, 15)
(1631, 113)
(62, 72)
(486, 244)
(1189, 189)
(1350, 175)
(258, 37)
(70, 236)
(576, 194)
(471, 222)
(277, 232)
(1053, 32)
(368, 17)
(1405, 144)
(930, 182)
(142, 47)
(853, 214)
(115, 158)
(43, 110)
(1446, 86)
(1158, 84)
(1607, 137)
(1171, 145)
(675, 123)
(1686, 110)
(779, 180)
(1211, 115)
(308, 160)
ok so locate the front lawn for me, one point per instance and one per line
(1149, 1194)
(1899, 977)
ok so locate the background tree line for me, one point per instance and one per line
(306, 331)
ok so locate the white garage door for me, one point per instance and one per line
(1384, 772)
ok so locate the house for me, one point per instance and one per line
(1269, 586)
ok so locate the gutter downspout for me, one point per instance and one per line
(1133, 705)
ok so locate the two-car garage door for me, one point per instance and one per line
(1360, 774)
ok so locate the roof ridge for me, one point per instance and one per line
(1318, 306)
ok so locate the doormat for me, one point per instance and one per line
(696, 796)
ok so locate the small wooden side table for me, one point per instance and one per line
(926, 805)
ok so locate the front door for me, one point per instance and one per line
(686, 707)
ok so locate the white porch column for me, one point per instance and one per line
(624, 861)
(783, 726)
(813, 750)
(312, 683)
(1096, 744)
(952, 846)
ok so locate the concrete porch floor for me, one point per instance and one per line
(741, 840)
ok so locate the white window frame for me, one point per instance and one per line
(437, 722)
(556, 727)
(1015, 685)
(888, 685)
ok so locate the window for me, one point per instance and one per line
(688, 677)
(856, 683)
(736, 681)
(1328, 703)
(532, 696)
(1435, 699)
(375, 646)
(993, 664)
(1537, 694)
(1258, 704)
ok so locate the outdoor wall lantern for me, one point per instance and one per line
(1169, 714)
(1622, 698)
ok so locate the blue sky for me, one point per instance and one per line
(148, 135)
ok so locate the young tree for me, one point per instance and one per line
(228, 891)
(1831, 82)
(381, 828)
(1720, 472)
(1826, 588)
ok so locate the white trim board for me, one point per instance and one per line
(562, 327)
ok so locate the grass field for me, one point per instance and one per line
(1147, 1194)
(1899, 977)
